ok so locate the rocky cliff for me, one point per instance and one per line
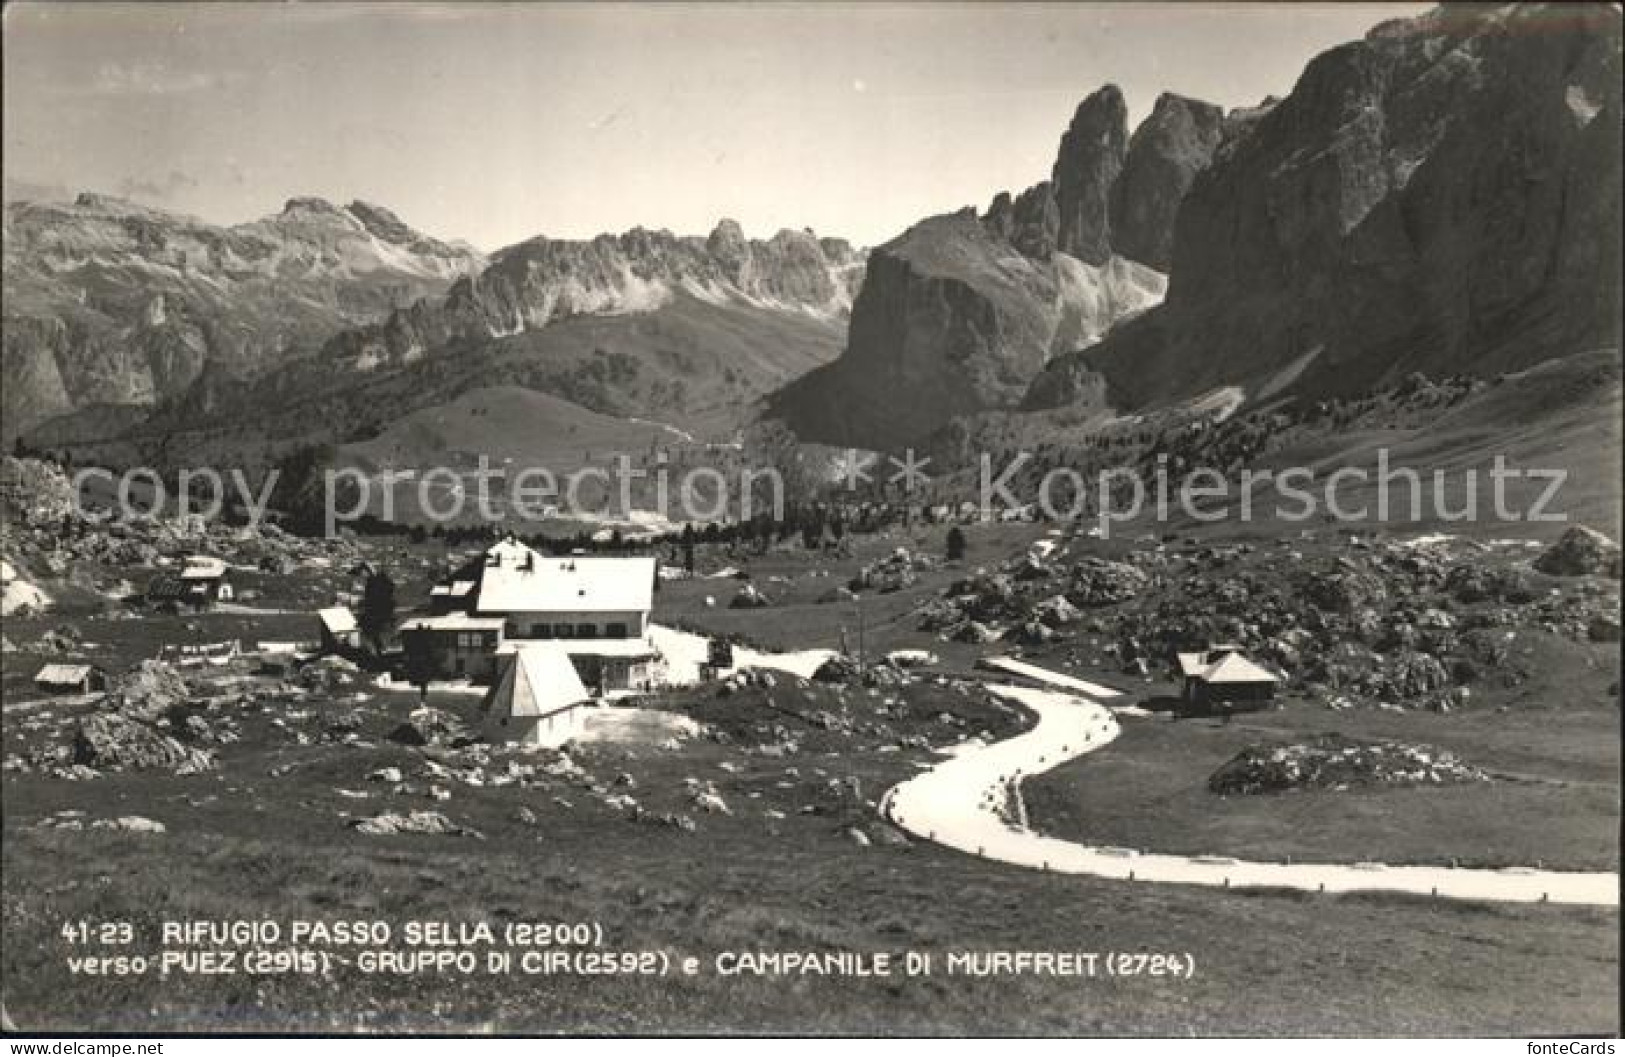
(1442, 196)
(1168, 149)
(961, 312)
(109, 302)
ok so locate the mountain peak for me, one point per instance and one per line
(727, 230)
(1091, 155)
(105, 202)
(310, 204)
(383, 223)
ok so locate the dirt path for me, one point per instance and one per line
(956, 803)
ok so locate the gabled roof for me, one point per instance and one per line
(537, 681)
(1223, 665)
(202, 567)
(64, 673)
(338, 620)
(516, 579)
(1234, 668)
(1191, 663)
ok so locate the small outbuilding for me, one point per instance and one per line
(340, 632)
(538, 700)
(207, 580)
(1221, 678)
(201, 582)
(71, 679)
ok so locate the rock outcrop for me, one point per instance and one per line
(1337, 763)
(1085, 175)
(114, 741)
(1581, 552)
(1441, 197)
(1168, 149)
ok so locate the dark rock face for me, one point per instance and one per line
(1086, 170)
(926, 304)
(1031, 223)
(1168, 149)
(1442, 196)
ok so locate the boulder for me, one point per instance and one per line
(975, 632)
(130, 824)
(1417, 675)
(1057, 612)
(1345, 592)
(748, 597)
(432, 823)
(150, 690)
(430, 726)
(1581, 552)
(1031, 633)
(1604, 627)
(114, 741)
(840, 668)
(1097, 582)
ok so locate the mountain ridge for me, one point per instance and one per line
(111, 301)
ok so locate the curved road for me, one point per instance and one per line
(955, 804)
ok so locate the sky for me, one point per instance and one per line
(495, 123)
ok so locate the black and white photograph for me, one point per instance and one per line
(811, 520)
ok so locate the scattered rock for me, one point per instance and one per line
(420, 822)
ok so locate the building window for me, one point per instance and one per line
(541, 631)
(615, 631)
(586, 631)
(564, 631)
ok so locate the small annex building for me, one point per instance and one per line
(1222, 677)
(71, 679)
(201, 582)
(538, 699)
(339, 630)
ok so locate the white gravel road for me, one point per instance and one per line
(952, 804)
